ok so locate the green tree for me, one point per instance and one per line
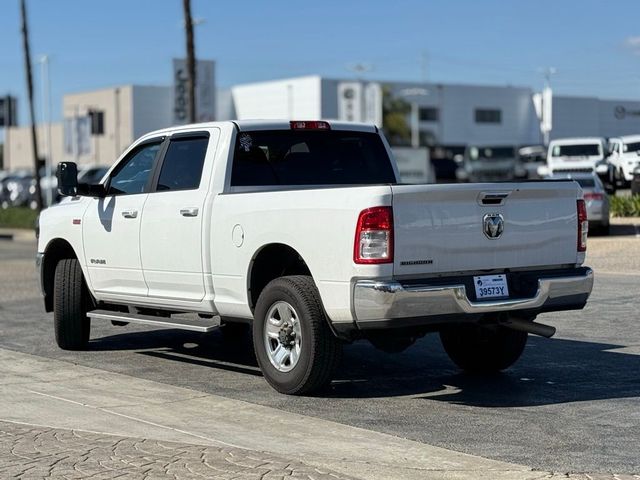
(394, 118)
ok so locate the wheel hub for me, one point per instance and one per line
(286, 336)
(283, 336)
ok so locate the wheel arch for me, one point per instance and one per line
(269, 262)
(56, 250)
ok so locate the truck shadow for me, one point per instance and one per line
(549, 372)
(207, 350)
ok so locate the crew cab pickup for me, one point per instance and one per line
(302, 230)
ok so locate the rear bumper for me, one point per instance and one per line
(388, 303)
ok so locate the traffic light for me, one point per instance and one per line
(8, 109)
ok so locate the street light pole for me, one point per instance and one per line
(411, 93)
(46, 122)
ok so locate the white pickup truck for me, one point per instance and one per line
(302, 230)
(624, 155)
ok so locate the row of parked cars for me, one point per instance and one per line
(18, 188)
(600, 167)
(615, 160)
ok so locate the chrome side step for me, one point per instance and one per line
(161, 322)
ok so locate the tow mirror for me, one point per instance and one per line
(67, 175)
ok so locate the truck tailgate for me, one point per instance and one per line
(441, 228)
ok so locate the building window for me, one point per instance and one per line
(428, 114)
(488, 115)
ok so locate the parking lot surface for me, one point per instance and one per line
(569, 405)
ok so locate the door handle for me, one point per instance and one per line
(130, 213)
(189, 212)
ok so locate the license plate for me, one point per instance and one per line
(491, 286)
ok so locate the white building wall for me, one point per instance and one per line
(151, 109)
(117, 105)
(19, 152)
(458, 126)
(589, 116)
(619, 117)
(295, 98)
(575, 117)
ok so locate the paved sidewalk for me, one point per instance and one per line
(39, 452)
(145, 429)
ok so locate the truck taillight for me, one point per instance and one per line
(374, 236)
(309, 125)
(593, 196)
(583, 226)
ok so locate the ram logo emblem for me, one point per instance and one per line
(493, 225)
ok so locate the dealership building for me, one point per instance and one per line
(98, 125)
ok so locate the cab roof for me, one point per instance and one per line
(577, 141)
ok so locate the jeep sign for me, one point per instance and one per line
(205, 91)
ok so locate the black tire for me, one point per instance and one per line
(320, 351)
(71, 302)
(480, 349)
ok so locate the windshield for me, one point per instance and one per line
(586, 182)
(492, 153)
(632, 147)
(585, 150)
(310, 157)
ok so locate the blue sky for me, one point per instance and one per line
(594, 45)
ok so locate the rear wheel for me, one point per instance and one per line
(295, 348)
(483, 349)
(71, 302)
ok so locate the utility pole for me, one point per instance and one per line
(27, 65)
(424, 66)
(191, 60)
(46, 122)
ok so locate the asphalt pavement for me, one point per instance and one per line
(571, 404)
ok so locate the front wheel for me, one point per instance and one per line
(483, 349)
(295, 348)
(70, 304)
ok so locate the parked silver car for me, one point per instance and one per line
(596, 199)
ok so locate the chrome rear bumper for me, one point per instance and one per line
(386, 300)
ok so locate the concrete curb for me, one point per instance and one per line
(57, 394)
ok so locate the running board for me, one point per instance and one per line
(162, 322)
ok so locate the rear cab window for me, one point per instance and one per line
(309, 157)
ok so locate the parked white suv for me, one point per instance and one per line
(580, 155)
(624, 155)
(302, 230)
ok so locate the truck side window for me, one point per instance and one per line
(182, 165)
(132, 175)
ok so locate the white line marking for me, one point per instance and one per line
(184, 432)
